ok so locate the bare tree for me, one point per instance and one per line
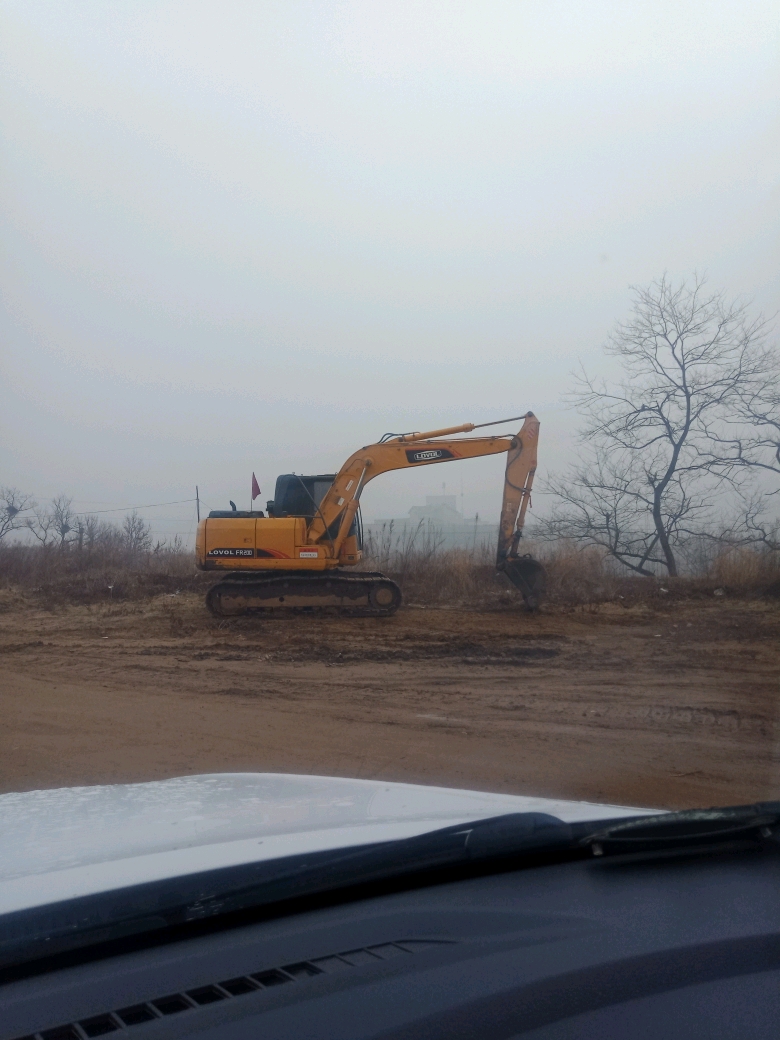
(758, 528)
(102, 534)
(41, 525)
(136, 533)
(608, 502)
(64, 519)
(91, 529)
(56, 522)
(13, 502)
(648, 474)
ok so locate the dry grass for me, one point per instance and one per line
(54, 576)
(428, 574)
(577, 576)
(745, 569)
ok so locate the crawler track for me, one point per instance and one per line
(358, 595)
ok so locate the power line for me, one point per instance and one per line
(121, 509)
(124, 509)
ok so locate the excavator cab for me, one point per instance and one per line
(299, 496)
(296, 495)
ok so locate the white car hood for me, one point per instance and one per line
(74, 841)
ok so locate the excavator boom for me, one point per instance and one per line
(320, 535)
(410, 451)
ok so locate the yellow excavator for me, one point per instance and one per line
(293, 557)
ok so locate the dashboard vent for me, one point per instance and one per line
(122, 1019)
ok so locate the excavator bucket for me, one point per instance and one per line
(529, 576)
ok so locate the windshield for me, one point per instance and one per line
(391, 425)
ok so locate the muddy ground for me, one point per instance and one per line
(661, 706)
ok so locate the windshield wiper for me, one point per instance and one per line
(172, 908)
(686, 828)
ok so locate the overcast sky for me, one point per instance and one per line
(255, 236)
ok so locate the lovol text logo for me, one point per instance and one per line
(231, 552)
(429, 455)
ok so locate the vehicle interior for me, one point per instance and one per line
(516, 926)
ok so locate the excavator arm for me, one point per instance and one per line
(407, 451)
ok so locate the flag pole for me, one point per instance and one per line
(197, 502)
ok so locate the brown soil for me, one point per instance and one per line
(671, 706)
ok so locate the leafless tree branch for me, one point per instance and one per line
(13, 502)
(652, 466)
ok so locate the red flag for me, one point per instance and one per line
(255, 487)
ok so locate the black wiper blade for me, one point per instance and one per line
(686, 827)
(152, 908)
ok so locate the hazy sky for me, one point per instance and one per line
(255, 236)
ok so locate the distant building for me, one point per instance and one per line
(439, 520)
(441, 509)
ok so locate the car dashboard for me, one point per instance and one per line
(674, 945)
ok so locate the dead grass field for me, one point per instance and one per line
(669, 704)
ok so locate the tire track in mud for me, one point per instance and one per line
(627, 709)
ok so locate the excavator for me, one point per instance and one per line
(293, 558)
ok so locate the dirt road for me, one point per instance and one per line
(646, 707)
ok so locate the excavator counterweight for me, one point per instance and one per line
(293, 557)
